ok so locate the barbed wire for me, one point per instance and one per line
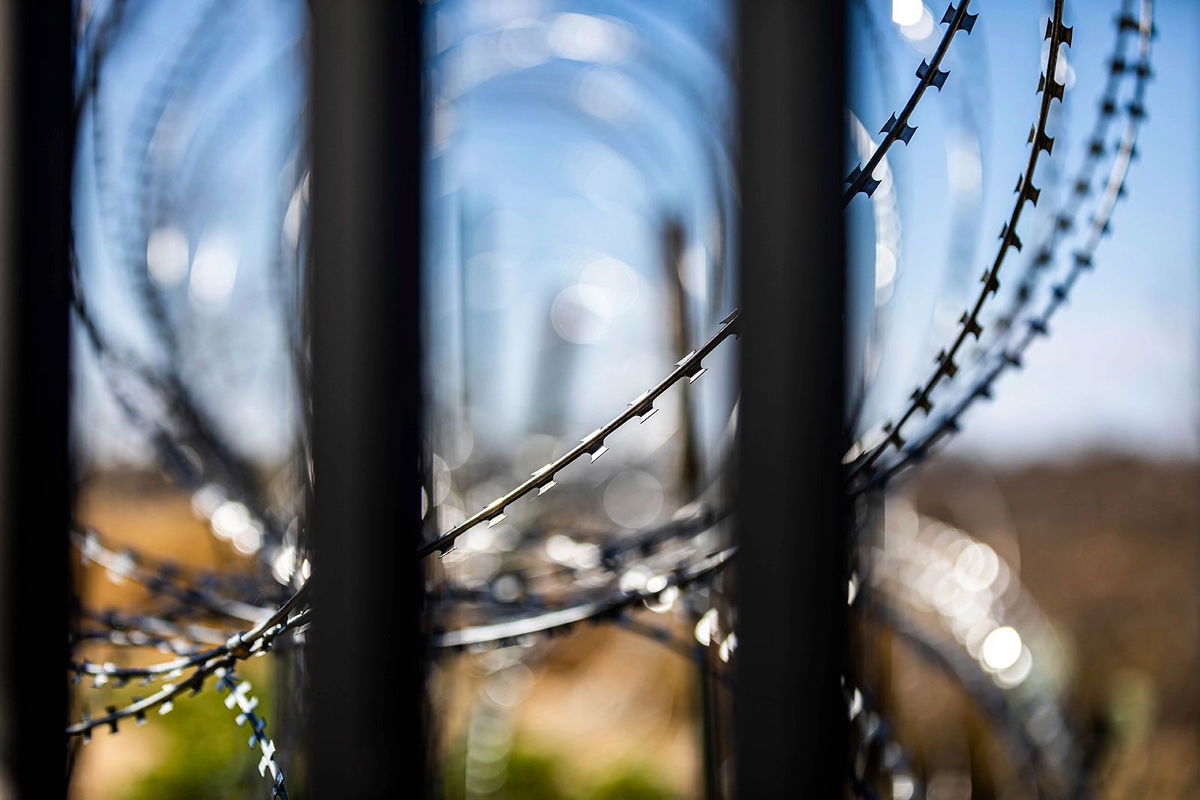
(875, 737)
(1128, 27)
(543, 479)
(862, 457)
(188, 59)
(861, 178)
(196, 415)
(117, 622)
(909, 570)
(196, 451)
(690, 523)
(208, 652)
(876, 741)
(135, 639)
(183, 463)
(1039, 755)
(238, 697)
(1012, 357)
(985, 695)
(165, 580)
(239, 646)
(515, 630)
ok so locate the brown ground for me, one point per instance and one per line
(1108, 546)
(1110, 549)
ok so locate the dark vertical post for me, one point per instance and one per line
(35, 181)
(791, 722)
(368, 663)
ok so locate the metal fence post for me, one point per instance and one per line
(791, 724)
(35, 182)
(368, 733)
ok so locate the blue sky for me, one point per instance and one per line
(566, 135)
(1120, 370)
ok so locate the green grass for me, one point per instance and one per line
(537, 775)
(206, 754)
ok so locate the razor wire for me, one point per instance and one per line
(911, 568)
(593, 445)
(239, 646)
(201, 652)
(862, 178)
(124, 373)
(863, 455)
(515, 630)
(119, 624)
(1010, 357)
(165, 580)
(208, 446)
(1128, 28)
(239, 698)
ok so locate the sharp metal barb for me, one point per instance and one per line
(499, 632)
(1058, 34)
(239, 697)
(1064, 221)
(897, 128)
(257, 639)
(1009, 357)
(593, 444)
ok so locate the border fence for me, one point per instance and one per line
(366, 622)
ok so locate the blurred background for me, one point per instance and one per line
(1081, 473)
(1036, 578)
